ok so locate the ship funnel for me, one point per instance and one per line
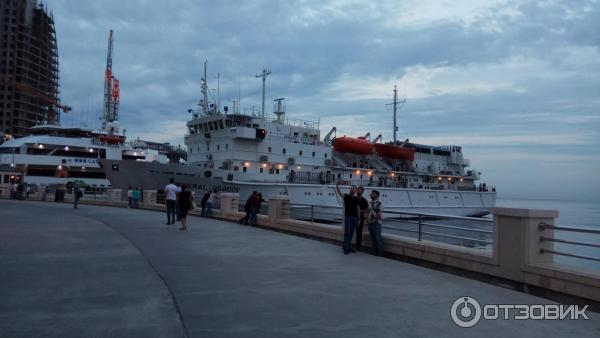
(279, 109)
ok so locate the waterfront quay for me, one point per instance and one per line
(102, 271)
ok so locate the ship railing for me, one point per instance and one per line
(571, 241)
(472, 232)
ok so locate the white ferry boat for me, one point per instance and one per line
(55, 155)
(232, 151)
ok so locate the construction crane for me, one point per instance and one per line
(50, 99)
(111, 88)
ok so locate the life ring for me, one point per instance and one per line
(207, 174)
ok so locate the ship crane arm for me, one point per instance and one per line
(377, 139)
(327, 139)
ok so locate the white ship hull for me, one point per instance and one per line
(325, 203)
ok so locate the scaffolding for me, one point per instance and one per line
(29, 74)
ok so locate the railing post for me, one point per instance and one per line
(279, 208)
(517, 239)
(312, 213)
(114, 195)
(229, 202)
(420, 227)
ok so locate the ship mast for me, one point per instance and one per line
(396, 102)
(264, 74)
(204, 91)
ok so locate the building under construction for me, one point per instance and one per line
(28, 67)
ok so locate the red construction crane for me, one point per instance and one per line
(111, 88)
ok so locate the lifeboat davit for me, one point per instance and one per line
(359, 145)
(392, 151)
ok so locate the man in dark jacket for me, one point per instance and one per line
(250, 203)
(363, 206)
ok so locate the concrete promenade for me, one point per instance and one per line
(115, 272)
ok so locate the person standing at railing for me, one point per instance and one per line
(77, 194)
(136, 195)
(171, 191)
(363, 206)
(248, 208)
(254, 209)
(203, 203)
(130, 197)
(350, 216)
(374, 222)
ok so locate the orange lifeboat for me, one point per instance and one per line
(359, 145)
(392, 151)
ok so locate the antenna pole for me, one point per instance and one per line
(264, 75)
(204, 91)
(395, 111)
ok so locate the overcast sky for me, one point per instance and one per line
(517, 83)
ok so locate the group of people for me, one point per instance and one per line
(180, 200)
(17, 190)
(134, 195)
(357, 212)
(251, 208)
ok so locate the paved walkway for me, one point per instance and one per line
(111, 272)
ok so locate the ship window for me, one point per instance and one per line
(284, 150)
(277, 171)
(191, 150)
(245, 169)
(300, 152)
(261, 170)
(313, 154)
(226, 146)
(210, 126)
(325, 155)
(221, 124)
(350, 175)
(218, 147)
(269, 149)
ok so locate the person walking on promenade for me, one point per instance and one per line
(374, 222)
(130, 197)
(350, 216)
(171, 191)
(136, 195)
(185, 205)
(254, 209)
(363, 205)
(248, 207)
(76, 194)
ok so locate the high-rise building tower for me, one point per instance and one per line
(28, 67)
